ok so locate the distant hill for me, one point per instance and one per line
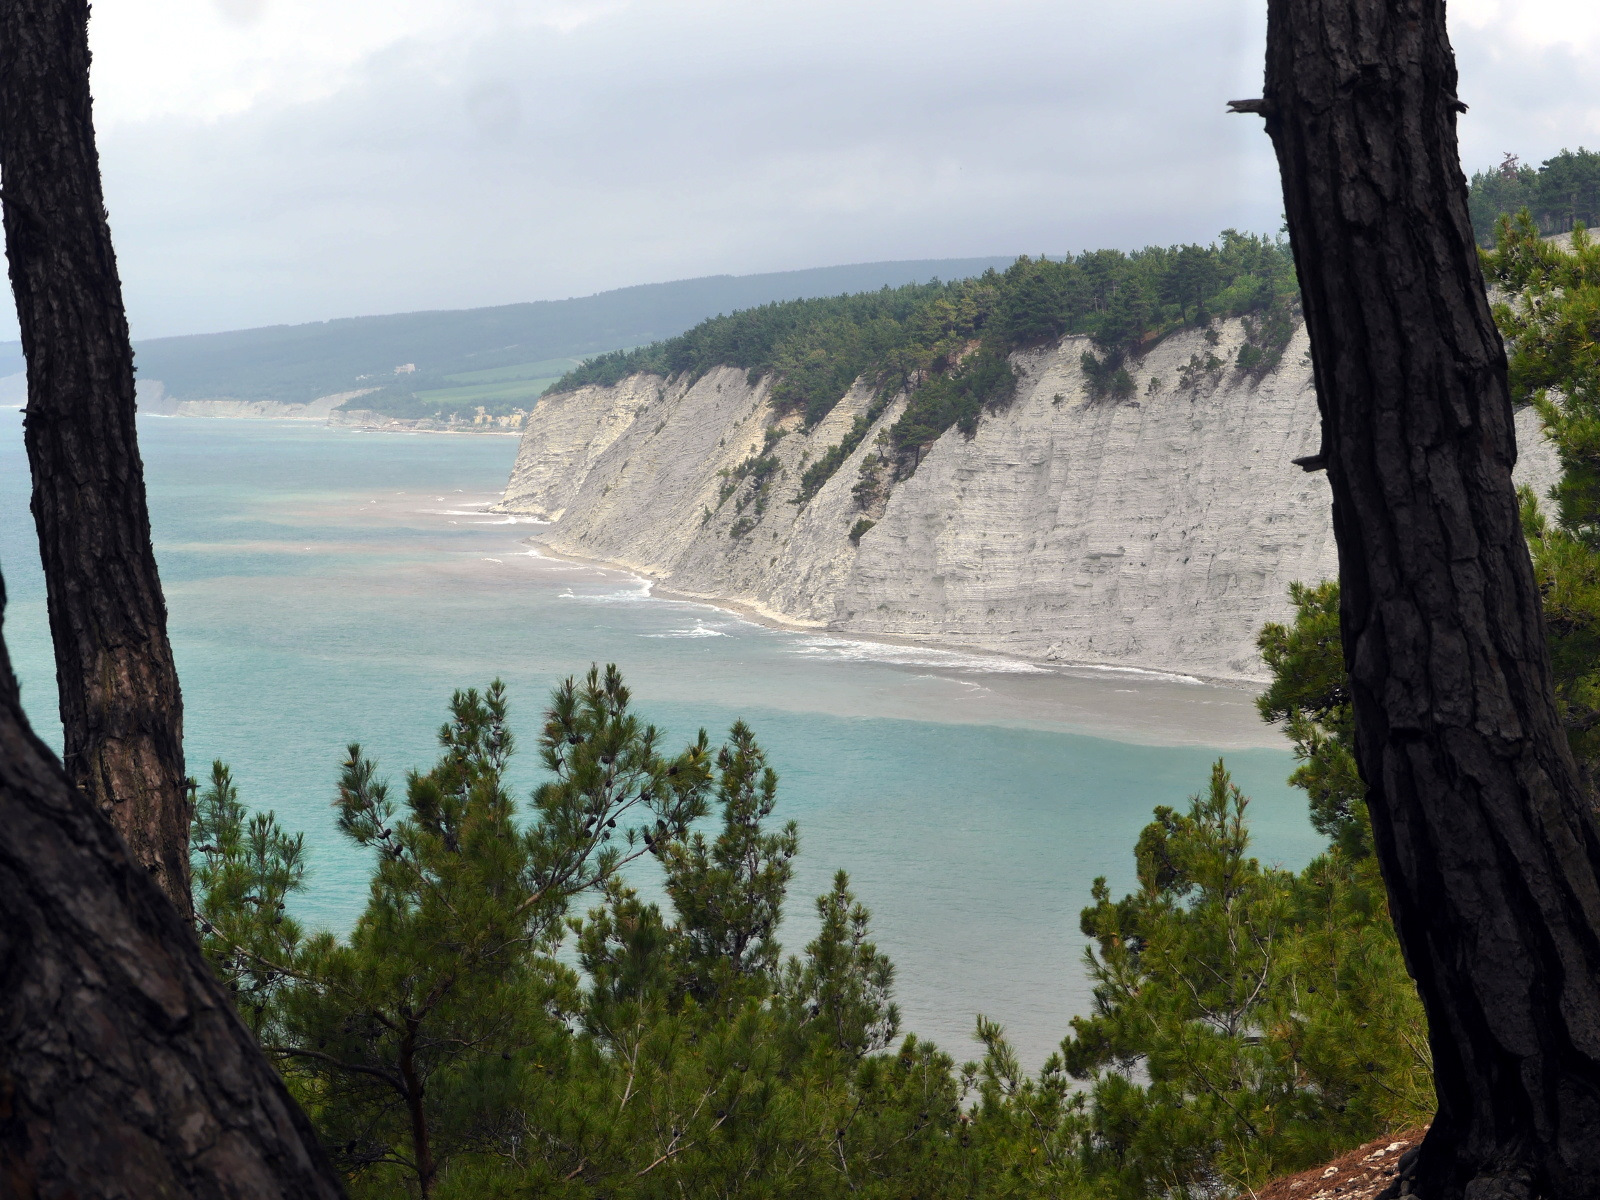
(500, 357)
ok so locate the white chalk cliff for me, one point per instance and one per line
(1158, 532)
(154, 398)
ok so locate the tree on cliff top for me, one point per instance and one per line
(1562, 192)
(1481, 824)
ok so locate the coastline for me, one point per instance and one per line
(320, 423)
(759, 614)
(515, 433)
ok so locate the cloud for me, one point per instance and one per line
(1574, 24)
(1531, 94)
(287, 160)
(241, 12)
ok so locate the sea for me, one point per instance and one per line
(327, 586)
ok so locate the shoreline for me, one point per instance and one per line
(322, 423)
(759, 614)
(516, 433)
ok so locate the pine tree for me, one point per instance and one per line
(401, 1038)
(246, 867)
(729, 893)
(844, 985)
(1310, 695)
(1247, 1022)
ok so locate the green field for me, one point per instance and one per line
(498, 389)
(490, 395)
(548, 369)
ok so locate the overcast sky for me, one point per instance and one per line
(291, 160)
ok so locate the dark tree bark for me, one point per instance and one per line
(1483, 832)
(124, 1072)
(120, 707)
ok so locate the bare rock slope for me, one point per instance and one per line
(1159, 531)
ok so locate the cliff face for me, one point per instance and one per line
(1157, 532)
(153, 398)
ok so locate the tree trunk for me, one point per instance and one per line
(421, 1147)
(123, 1069)
(121, 712)
(1483, 832)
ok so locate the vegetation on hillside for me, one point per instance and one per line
(1247, 1020)
(1560, 193)
(946, 344)
(297, 363)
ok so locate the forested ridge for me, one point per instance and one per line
(923, 337)
(945, 345)
(458, 352)
(1560, 193)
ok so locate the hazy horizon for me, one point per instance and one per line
(12, 392)
(273, 162)
(11, 341)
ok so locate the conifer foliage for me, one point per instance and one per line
(1247, 1020)
(400, 1039)
(1310, 696)
(1559, 194)
(945, 346)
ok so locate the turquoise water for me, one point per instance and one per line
(328, 586)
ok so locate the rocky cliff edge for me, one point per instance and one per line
(1158, 531)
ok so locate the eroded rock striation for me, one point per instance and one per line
(1158, 531)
